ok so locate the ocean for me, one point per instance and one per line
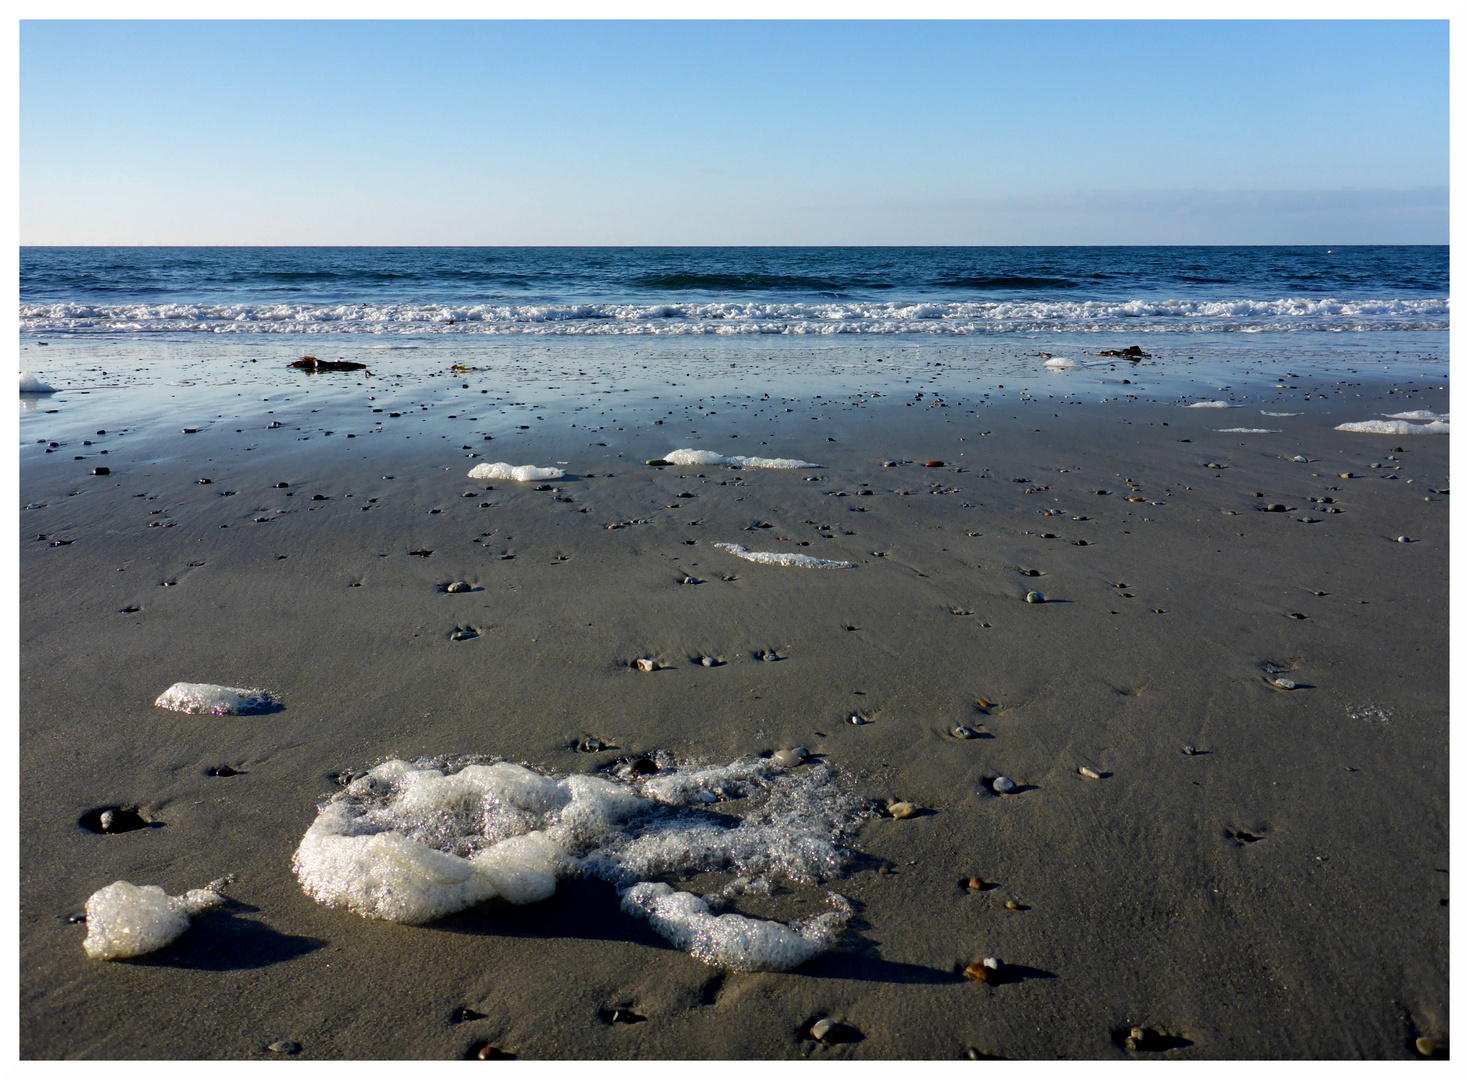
(924, 292)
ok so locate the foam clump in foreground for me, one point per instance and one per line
(785, 558)
(500, 470)
(30, 384)
(1395, 427)
(1060, 363)
(1248, 431)
(731, 941)
(190, 697)
(1210, 405)
(126, 920)
(709, 457)
(413, 842)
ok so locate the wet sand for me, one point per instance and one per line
(1280, 893)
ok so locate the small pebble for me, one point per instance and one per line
(284, 1046)
(101, 470)
(458, 586)
(107, 820)
(1190, 750)
(857, 719)
(1003, 785)
(889, 464)
(1011, 905)
(1283, 684)
(709, 661)
(769, 656)
(1301, 458)
(989, 970)
(463, 635)
(644, 664)
(1276, 508)
(490, 1053)
(592, 745)
(901, 810)
(801, 752)
(786, 759)
(822, 1030)
(1090, 773)
(1034, 597)
(976, 884)
(1429, 1046)
(1404, 540)
(962, 732)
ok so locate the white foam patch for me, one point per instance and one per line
(785, 558)
(413, 842)
(500, 470)
(1418, 414)
(1210, 405)
(1264, 413)
(30, 384)
(192, 697)
(734, 942)
(1248, 431)
(1395, 427)
(709, 457)
(125, 920)
(1060, 363)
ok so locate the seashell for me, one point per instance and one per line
(786, 759)
(1300, 459)
(1345, 475)
(458, 586)
(709, 661)
(1090, 773)
(983, 704)
(989, 970)
(1011, 905)
(1003, 785)
(284, 1046)
(1283, 684)
(962, 732)
(901, 810)
(1190, 750)
(644, 664)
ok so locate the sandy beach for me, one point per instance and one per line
(1281, 891)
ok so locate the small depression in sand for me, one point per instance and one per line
(411, 842)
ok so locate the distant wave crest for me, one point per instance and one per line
(836, 317)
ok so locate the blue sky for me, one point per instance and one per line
(733, 133)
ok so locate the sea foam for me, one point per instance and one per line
(1210, 405)
(215, 700)
(1395, 427)
(785, 558)
(126, 920)
(734, 942)
(1248, 431)
(30, 384)
(500, 470)
(1418, 414)
(709, 457)
(413, 842)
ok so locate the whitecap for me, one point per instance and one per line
(709, 457)
(1395, 427)
(500, 470)
(126, 920)
(785, 558)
